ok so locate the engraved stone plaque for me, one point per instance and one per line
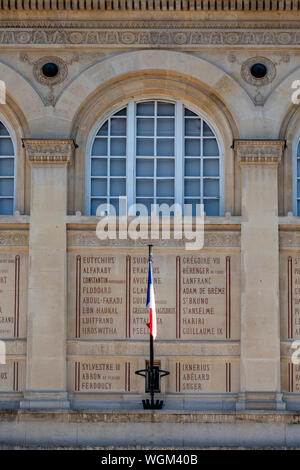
(203, 375)
(197, 295)
(103, 375)
(290, 377)
(12, 376)
(290, 295)
(97, 295)
(13, 294)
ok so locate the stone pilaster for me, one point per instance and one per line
(46, 326)
(260, 323)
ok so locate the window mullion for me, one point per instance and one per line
(179, 154)
(131, 157)
(201, 166)
(108, 163)
(155, 153)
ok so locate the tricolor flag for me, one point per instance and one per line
(152, 325)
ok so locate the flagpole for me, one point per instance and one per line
(151, 348)
(151, 373)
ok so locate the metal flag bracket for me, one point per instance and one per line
(152, 375)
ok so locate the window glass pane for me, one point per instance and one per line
(117, 187)
(6, 187)
(6, 147)
(118, 126)
(165, 109)
(145, 202)
(145, 126)
(165, 147)
(145, 147)
(145, 109)
(95, 203)
(99, 147)
(99, 166)
(192, 147)
(103, 129)
(155, 146)
(144, 188)
(6, 167)
(298, 168)
(211, 188)
(210, 147)
(298, 207)
(192, 187)
(169, 202)
(192, 167)
(190, 206)
(118, 167)
(165, 127)
(118, 147)
(211, 167)
(207, 130)
(192, 127)
(99, 187)
(298, 188)
(6, 206)
(115, 204)
(3, 130)
(165, 167)
(187, 112)
(211, 207)
(165, 188)
(144, 167)
(122, 112)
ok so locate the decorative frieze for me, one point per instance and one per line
(148, 34)
(13, 238)
(259, 151)
(84, 238)
(49, 151)
(289, 239)
(162, 5)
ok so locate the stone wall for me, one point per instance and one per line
(72, 307)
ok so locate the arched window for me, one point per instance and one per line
(7, 172)
(155, 152)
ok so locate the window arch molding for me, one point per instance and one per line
(16, 122)
(287, 171)
(296, 173)
(8, 191)
(180, 105)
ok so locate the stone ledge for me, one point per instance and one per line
(146, 416)
(148, 429)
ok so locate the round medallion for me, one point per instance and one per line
(50, 70)
(258, 71)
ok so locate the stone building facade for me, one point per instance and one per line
(159, 101)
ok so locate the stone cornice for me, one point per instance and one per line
(49, 151)
(151, 5)
(151, 34)
(259, 151)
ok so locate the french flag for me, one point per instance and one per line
(152, 325)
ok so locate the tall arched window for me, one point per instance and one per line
(7, 172)
(155, 152)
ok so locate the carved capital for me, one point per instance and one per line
(256, 152)
(49, 151)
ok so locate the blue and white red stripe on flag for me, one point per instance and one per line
(152, 325)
